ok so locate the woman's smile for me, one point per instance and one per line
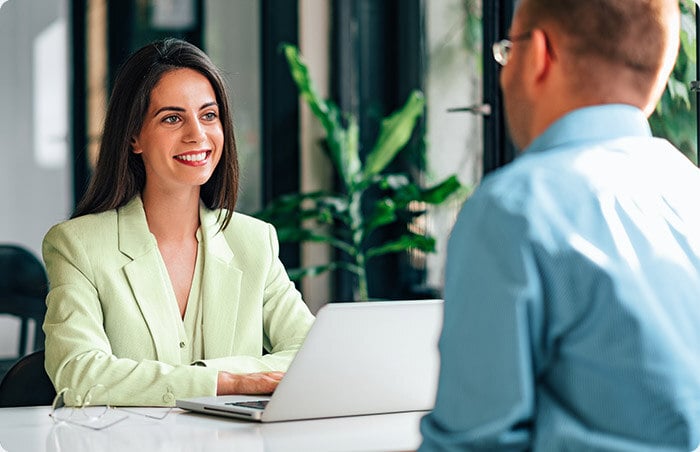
(193, 158)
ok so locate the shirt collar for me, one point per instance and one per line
(602, 122)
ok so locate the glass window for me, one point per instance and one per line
(454, 141)
(34, 120)
(232, 40)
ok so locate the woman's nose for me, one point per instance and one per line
(194, 132)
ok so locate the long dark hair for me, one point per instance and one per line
(120, 174)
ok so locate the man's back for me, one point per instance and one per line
(580, 262)
(616, 237)
(572, 295)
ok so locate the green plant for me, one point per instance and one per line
(675, 116)
(341, 219)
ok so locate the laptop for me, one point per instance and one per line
(359, 358)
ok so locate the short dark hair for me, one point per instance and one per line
(120, 174)
(623, 33)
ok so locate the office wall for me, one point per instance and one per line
(34, 121)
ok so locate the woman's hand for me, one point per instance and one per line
(257, 383)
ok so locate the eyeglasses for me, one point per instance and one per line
(159, 416)
(501, 49)
(91, 410)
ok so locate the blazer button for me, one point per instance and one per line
(182, 344)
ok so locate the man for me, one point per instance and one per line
(572, 293)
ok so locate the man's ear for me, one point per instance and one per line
(540, 61)
(135, 148)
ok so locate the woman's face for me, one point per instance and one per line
(181, 140)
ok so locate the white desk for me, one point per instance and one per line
(32, 430)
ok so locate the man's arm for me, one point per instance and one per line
(485, 399)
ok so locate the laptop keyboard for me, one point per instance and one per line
(256, 404)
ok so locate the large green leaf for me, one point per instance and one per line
(405, 242)
(326, 112)
(384, 212)
(300, 234)
(296, 207)
(342, 143)
(395, 132)
(679, 91)
(293, 201)
(406, 191)
(296, 274)
(440, 192)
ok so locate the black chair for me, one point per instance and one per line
(23, 289)
(26, 383)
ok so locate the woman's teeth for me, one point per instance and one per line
(192, 157)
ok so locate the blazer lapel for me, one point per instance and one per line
(146, 280)
(221, 285)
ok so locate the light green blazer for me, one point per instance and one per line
(109, 320)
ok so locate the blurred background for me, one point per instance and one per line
(58, 59)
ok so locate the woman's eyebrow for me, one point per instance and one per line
(209, 104)
(180, 109)
(162, 109)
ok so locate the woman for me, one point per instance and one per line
(159, 290)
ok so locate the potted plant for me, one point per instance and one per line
(339, 218)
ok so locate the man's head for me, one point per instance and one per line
(573, 53)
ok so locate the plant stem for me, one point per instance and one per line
(362, 293)
(355, 212)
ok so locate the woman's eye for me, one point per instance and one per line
(171, 119)
(211, 116)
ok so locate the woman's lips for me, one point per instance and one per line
(193, 158)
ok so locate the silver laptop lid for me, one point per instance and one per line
(363, 358)
(359, 358)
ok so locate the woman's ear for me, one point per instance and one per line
(135, 148)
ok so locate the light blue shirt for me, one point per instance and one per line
(572, 297)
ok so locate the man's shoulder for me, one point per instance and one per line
(541, 186)
(586, 167)
(528, 175)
